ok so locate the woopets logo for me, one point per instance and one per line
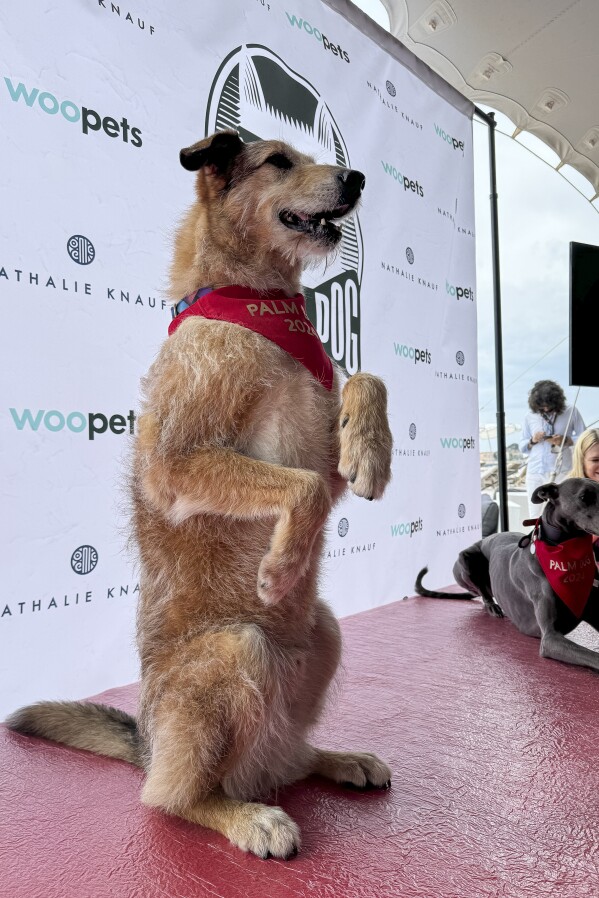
(88, 119)
(449, 139)
(459, 292)
(412, 353)
(53, 420)
(404, 181)
(258, 95)
(461, 443)
(328, 45)
(407, 528)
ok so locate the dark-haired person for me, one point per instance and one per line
(542, 433)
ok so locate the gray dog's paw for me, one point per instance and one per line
(494, 609)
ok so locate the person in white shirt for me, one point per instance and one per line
(549, 422)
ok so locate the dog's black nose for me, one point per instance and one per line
(353, 184)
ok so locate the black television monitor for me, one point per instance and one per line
(584, 315)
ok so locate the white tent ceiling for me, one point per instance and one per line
(534, 60)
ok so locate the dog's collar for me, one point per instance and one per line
(549, 533)
(189, 300)
(544, 530)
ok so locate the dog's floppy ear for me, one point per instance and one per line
(218, 151)
(548, 492)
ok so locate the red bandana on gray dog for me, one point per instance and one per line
(569, 568)
(279, 318)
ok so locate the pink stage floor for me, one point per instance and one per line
(495, 754)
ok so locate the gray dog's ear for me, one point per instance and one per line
(218, 151)
(546, 493)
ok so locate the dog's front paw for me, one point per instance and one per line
(293, 539)
(494, 609)
(266, 832)
(276, 577)
(365, 441)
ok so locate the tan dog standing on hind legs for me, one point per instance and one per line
(241, 452)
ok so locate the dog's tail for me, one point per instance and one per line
(93, 727)
(431, 594)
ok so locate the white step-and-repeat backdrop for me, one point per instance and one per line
(96, 99)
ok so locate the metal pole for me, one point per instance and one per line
(501, 442)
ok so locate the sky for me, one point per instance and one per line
(540, 213)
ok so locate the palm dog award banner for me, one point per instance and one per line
(96, 100)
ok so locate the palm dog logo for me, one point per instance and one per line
(343, 527)
(256, 93)
(412, 431)
(461, 510)
(81, 249)
(84, 559)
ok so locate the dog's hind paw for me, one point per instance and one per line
(358, 769)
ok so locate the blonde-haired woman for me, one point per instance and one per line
(585, 463)
(585, 457)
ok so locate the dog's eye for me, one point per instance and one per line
(279, 160)
(589, 497)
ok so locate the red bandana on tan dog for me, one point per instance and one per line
(279, 318)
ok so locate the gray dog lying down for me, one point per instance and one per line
(504, 569)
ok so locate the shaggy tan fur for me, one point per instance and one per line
(239, 457)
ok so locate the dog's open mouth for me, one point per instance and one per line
(319, 225)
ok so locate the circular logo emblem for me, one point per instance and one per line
(256, 93)
(410, 255)
(390, 88)
(412, 431)
(461, 510)
(343, 527)
(459, 357)
(80, 249)
(84, 559)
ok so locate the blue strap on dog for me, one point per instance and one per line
(189, 300)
